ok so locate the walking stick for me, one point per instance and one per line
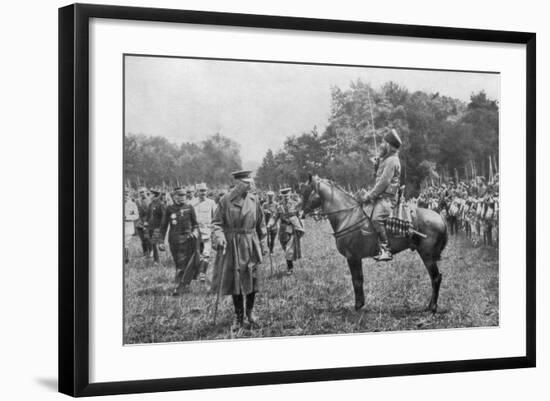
(269, 251)
(219, 292)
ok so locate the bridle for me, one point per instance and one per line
(351, 228)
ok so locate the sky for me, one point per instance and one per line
(259, 104)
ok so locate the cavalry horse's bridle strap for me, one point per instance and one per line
(353, 227)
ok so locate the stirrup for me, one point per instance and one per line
(383, 257)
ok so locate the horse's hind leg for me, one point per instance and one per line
(435, 277)
(357, 279)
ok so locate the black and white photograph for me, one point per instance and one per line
(277, 199)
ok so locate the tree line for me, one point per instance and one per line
(154, 161)
(442, 137)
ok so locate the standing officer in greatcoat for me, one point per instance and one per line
(183, 239)
(270, 210)
(239, 235)
(290, 228)
(384, 194)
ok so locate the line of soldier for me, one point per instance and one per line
(472, 207)
(237, 223)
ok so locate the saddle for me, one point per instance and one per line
(396, 225)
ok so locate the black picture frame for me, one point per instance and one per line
(74, 198)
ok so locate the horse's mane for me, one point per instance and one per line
(337, 186)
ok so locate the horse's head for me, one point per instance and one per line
(310, 198)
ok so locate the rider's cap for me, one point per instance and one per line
(202, 186)
(393, 139)
(270, 193)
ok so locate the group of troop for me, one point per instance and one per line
(470, 206)
(240, 224)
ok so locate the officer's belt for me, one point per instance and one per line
(239, 231)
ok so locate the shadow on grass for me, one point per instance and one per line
(405, 312)
(155, 291)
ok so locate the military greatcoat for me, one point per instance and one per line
(240, 221)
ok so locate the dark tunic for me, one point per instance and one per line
(154, 217)
(184, 248)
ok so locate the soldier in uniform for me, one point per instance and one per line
(383, 195)
(183, 237)
(290, 228)
(239, 234)
(204, 209)
(141, 224)
(155, 214)
(270, 210)
(190, 195)
(131, 214)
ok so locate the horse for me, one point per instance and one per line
(351, 223)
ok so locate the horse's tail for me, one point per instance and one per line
(441, 242)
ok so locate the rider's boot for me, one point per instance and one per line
(385, 253)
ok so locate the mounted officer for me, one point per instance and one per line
(383, 195)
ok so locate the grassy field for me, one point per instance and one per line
(318, 298)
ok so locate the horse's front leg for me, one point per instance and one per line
(357, 280)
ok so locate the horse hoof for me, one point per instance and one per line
(431, 308)
(359, 305)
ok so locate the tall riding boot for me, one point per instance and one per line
(272, 236)
(385, 254)
(249, 306)
(239, 312)
(289, 267)
(143, 241)
(202, 270)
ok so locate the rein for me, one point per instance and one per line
(351, 228)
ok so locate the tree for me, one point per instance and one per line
(153, 160)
